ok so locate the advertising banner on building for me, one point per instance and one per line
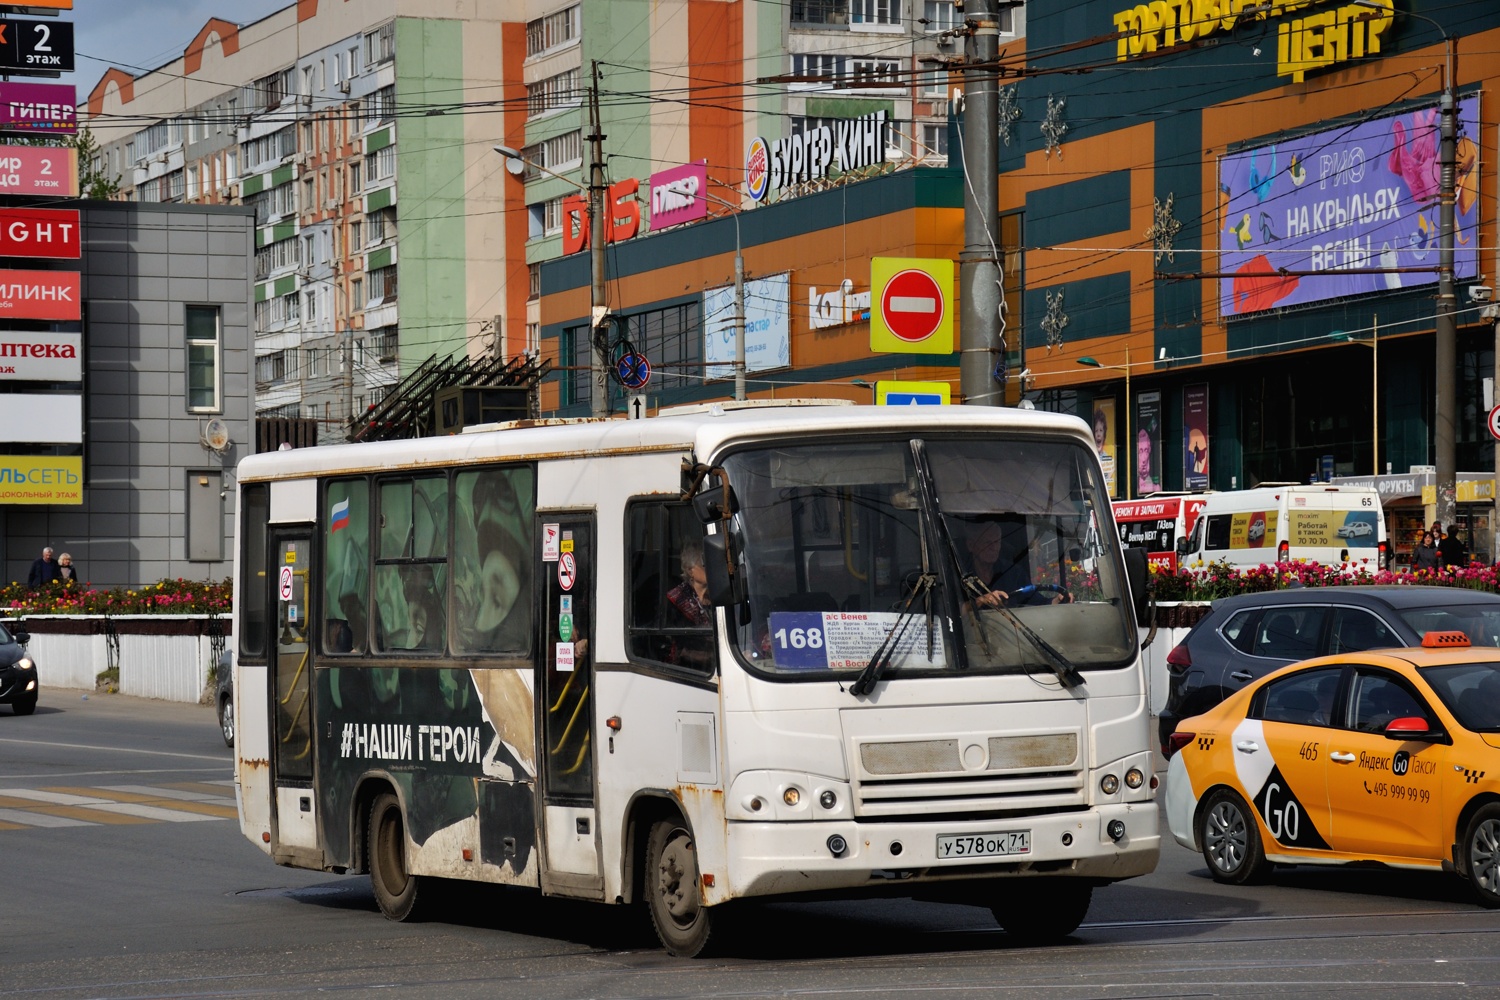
(1104, 442)
(677, 195)
(40, 232)
(1348, 199)
(41, 479)
(37, 418)
(1147, 443)
(41, 357)
(1195, 436)
(39, 107)
(768, 326)
(39, 170)
(39, 295)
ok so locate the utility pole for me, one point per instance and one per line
(979, 261)
(598, 326)
(1446, 359)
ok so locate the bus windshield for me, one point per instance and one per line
(971, 555)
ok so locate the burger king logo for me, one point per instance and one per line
(757, 169)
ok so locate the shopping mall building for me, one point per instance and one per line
(1221, 239)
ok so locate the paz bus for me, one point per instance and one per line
(475, 657)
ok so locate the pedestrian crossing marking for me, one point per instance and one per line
(63, 806)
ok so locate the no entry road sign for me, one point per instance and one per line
(913, 311)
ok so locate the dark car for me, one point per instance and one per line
(18, 681)
(224, 696)
(1246, 637)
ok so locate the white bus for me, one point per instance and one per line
(484, 657)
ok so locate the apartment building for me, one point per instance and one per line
(388, 230)
(360, 134)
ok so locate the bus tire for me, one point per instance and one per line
(396, 890)
(1041, 910)
(1231, 840)
(670, 880)
(1482, 854)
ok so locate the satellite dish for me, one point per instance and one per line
(216, 435)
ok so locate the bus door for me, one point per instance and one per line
(564, 686)
(291, 693)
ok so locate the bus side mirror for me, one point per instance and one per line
(1138, 575)
(716, 504)
(1182, 546)
(725, 589)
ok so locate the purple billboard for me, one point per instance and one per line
(1340, 202)
(38, 107)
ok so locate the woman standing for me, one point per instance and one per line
(67, 573)
(1425, 555)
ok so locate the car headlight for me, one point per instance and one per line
(24, 663)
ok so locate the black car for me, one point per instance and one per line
(18, 680)
(224, 696)
(1246, 637)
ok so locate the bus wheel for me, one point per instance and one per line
(671, 882)
(395, 890)
(1482, 844)
(1041, 910)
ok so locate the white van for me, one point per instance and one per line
(1285, 522)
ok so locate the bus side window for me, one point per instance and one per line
(670, 619)
(346, 566)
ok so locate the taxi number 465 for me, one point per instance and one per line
(984, 845)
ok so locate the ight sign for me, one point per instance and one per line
(851, 143)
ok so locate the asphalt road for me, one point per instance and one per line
(123, 875)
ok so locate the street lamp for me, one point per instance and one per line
(515, 165)
(1374, 345)
(1445, 330)
(1127, 481)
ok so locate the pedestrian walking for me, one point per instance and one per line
(1425, 555)
(66, 571)
(43, 570)
(1451, 551)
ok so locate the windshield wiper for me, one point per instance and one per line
(865, 682)
(1063, 667)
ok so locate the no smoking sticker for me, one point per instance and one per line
(567, 571)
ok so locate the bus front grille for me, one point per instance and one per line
(972, 774)
(977, 793)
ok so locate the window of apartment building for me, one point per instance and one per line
(875, 11)
(819, 12)
(284, 199)
(555, 154)
(383, 341)
(353, 57)
(560, 91)
(533, 338)
(202, 339)
(380, 166)
(308, 201)
(270, 369)
(356, 295)
(534, 281)
(356, 236)
(307, 138)
(935, 138)
(307, 80)
(166, 188)
(267, 93)
(190, 184)
(380, 107)
(382, 282)
(310, 305)
(552, 31)
(940, 15)
(380, 44)
(270, 149)
(314, 357)
(355, 174)
(231, 167)
(153, 138)
(275, 257)
(846, 72)
(382, 225)
(545, 218)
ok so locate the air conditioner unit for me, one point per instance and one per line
(307, 100)
(345, 86)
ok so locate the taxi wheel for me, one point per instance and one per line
(1482, 847)
(1041, 910)
(1231, 841)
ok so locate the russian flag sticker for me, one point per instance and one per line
(340, 516)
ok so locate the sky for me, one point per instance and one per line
(144, 34)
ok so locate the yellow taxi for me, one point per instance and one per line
(1390, 756)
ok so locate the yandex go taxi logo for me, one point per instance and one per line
(40, 232)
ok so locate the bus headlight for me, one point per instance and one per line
(792, 796)
(1134, 778)
(828, 799)
(1109, 784)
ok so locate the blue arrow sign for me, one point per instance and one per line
(913, 399)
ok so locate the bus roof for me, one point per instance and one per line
(701, 430)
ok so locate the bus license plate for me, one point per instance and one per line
(984, 845)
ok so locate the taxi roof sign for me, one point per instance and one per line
(1445, 640)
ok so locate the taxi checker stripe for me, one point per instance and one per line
(1471, 776)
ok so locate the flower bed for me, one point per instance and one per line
(171, 597)
(1208, 582)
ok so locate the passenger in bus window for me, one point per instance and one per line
(691, 609)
